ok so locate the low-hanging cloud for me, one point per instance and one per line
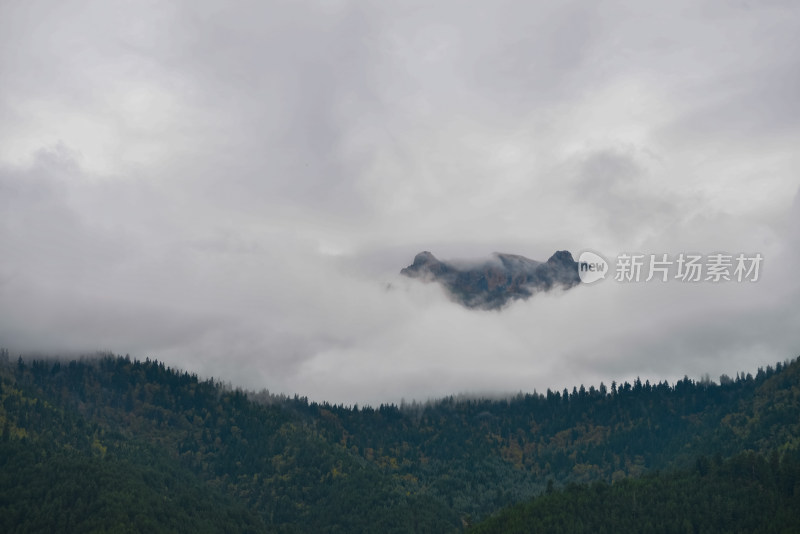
(235, 190)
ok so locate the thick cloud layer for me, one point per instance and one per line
(233, 188)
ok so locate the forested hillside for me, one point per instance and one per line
(108, 443)
(746, 493)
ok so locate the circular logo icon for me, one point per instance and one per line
(591, 267)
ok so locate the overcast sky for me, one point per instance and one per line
(233, 187)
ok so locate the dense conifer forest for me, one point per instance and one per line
(108, 443)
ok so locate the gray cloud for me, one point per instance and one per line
(231, 188)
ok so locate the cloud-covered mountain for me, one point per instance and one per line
(494, 283)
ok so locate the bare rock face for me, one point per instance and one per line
(494, 283)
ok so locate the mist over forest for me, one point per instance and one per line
(399, 266)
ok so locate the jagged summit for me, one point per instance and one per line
(424, 258)
(426, 266)
(494, 283)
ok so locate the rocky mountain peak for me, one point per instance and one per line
(495, 283)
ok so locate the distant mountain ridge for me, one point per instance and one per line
(494, 283)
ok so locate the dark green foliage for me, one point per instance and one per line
(743, 494)
(66, 491)
(477, 455)
(176, 444)
(266, 459)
